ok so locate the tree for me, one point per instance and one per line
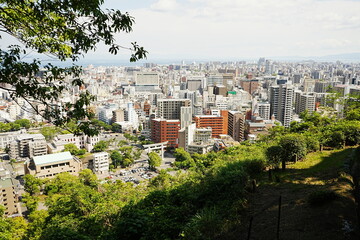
(154, 160)
(25, 123)
(115, 128)
(116, 158)
(50, 132)
(183, 159)
(100, 146)
(72, 148)
(87, 177)
(293, 147)
(64, 30)
(31, 202)
(32, 184)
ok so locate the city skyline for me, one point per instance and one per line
(197, 30)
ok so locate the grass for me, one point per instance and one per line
(318, 180)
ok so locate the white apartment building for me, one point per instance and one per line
(101, 162)
(27, 146)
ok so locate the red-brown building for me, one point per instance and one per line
(218, 124)
(250, 85)
(163, 130)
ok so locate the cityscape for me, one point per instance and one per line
(200, 107)
(201, 120)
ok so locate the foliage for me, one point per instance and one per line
(154, 160)
(73, 149)
(25, 123)
(183, 159)
(116, 158)
(31, 202)
(50, 132)
(115, 128)
(88, 178)
(32, 184)
(65, 30)
(293, 147)
(100, 146)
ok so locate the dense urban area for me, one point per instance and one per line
(183, 151)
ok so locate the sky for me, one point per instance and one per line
(237, 29)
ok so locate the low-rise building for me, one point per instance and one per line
(27, 146)
(101, 162)
(48, 166)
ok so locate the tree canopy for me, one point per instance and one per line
(63, 29)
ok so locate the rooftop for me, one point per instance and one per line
(6, 183)
(52, 158)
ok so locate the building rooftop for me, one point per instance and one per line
(6, 183)
(30, 136)
(52, 158)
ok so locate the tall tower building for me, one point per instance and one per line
(236, 122)
(281, 99)
(185, 116)
(170, 108)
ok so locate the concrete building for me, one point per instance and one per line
(304, 102)
(8, 194)
(194, 84)
(171, 108)
(163, 130)
(7, 137)
(101, 162)
(48, 166)
(249, 85)
(146, 79)
(185, 116)
(218, 124)
(27, 146)
(202, 135)
(201, 148)
(281, 99)
(186, 136)
(8, 197)
(118, 115)
(264, 110)
(236, 125)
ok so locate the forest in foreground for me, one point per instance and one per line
(231, 194)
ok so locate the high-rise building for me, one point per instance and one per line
(304, 102)
(264, 110)
(250, 85)
(194, 84)
(185, 116)
(163, 130)
(236, 125)
(170, 108)
(118, 115)
(218, 123)
(281, 99)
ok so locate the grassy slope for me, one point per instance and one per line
(299, 220)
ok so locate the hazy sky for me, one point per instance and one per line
(233, 29)
(239, 29)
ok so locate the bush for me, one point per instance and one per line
(254, 167)
(321, 197)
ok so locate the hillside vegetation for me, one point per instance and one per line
(213, 196)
